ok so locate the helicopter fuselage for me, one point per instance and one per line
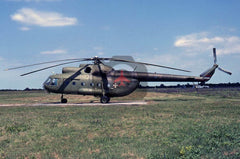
(89, 81)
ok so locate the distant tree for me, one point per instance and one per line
(162, 86)
(27, 89)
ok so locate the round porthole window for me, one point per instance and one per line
(87, 70)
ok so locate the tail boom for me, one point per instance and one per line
(157, 77)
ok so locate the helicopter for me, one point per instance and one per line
(101, 80)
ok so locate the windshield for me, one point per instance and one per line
(51, 81)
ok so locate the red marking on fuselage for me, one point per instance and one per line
(121, 79)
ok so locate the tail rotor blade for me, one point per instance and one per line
(214, 55)
(215, 61)
(230, 73)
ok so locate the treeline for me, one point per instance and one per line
(219, 85)
(26, 89)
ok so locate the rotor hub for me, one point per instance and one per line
(96, 60)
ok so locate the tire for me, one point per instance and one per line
(64, 100)
(104, 99)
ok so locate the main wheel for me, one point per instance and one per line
(104, 99)
(63, 100)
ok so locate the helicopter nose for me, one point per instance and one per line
(45, 87)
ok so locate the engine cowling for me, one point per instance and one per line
(70, 69)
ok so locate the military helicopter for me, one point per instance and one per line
(105, 82)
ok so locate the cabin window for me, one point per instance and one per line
(88, 70)
(83, 83)
(99, 84)
(92, 84)
(73, 83)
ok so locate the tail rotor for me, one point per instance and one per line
(215, 62)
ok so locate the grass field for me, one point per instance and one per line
(179, 124)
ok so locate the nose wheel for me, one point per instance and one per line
(63, 100)
(104, 99)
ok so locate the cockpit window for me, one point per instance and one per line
(51, 81)
(48, 81)
(54, 82)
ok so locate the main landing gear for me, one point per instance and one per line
(63, 100)
(104, 99)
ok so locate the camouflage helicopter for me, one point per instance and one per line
(105, 82)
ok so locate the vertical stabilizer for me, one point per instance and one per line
(209, 72)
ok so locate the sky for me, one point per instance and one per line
(175, 33)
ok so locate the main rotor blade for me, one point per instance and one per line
(230, 73)
(96, 59)
(36, 64)
(49, 67)
(114, 59)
